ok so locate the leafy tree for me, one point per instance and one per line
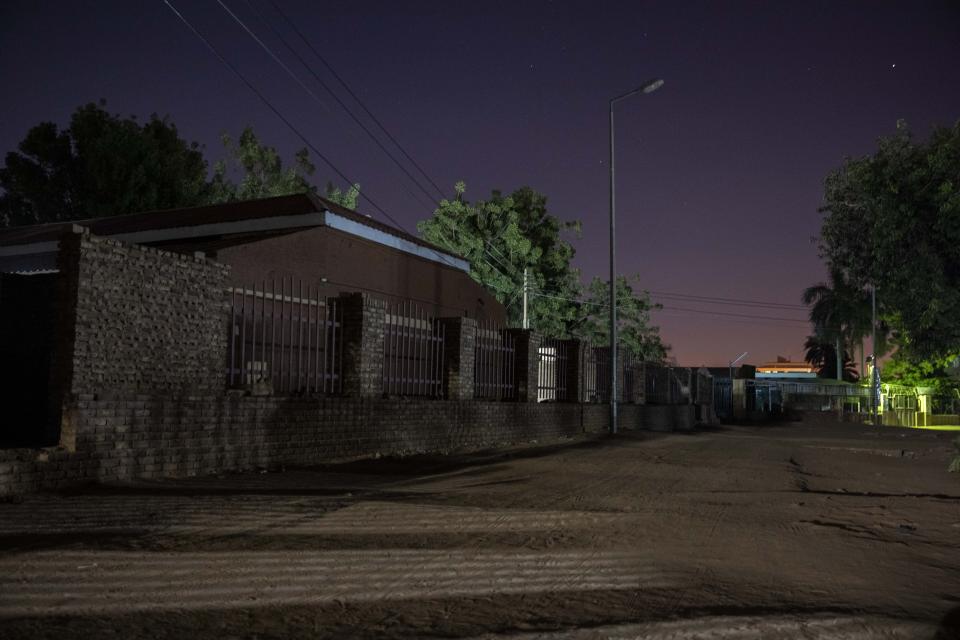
(941, 373)
(501, 237)
(634, 330)
(100, 165)
(504, 235)
(821, 353)
(262, 174)
(893, 219)
(346, 198)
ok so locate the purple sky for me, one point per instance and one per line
(719, 173)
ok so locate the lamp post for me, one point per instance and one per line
(733, 362)
(648, 87)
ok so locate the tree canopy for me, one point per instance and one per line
(103, 164)
(504, 235)
(634, 329)
(100, 165)
(346, 198)
(893, 219)
(261, 170)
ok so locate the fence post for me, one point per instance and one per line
(459, 341)
(364, 318)
(527, 356)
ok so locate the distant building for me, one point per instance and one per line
(783, 369)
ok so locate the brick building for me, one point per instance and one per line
(302, 238)
(290, 244)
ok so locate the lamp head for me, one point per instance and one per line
(653, 85)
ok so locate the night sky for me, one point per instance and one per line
(720, 173)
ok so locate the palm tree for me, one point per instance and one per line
(821, 354)
(841, 312)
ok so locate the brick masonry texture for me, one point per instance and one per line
(155, 437)
(364, 326)
(142, 345)
(146, 320)
(460, 335)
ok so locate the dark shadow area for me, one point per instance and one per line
(175, 487)
(460, 617)
(436, 463)
(949, 627)
(27, 338)
(134, 539)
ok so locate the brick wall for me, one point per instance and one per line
(144, 342)
(145, 320)
(153, 437)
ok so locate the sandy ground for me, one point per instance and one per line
(836, 531)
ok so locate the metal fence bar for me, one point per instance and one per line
(413, 352)
(288, 338)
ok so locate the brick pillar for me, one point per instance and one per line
(364, 318)
(527, 345)
(459, 341)
(574, 370)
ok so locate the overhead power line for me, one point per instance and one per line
(353, 95)
(725, 300)
(309, 92)
(319, 81)
(293, 128)
(736, 315)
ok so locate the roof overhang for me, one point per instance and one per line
(42, 255)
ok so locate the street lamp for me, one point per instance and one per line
(733, 362)
(649, 87)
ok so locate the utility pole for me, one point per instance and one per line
(526, 288)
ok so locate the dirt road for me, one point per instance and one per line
(836, 531)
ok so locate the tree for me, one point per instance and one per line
(262, 174)
(100, 165)
(634, 331)
(347, 199)
(821, 353)
(841, 313)
(893, 219)
(941, 373)
(501, 237)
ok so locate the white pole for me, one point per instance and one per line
(526, 320)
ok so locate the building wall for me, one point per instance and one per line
(153, 437)
(350, 263)
(140, 319)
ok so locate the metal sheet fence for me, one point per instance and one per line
(494, 364)
(663, 385)
(412, 352)
(552, 371)
(638, 381)
(702, 387)
(284, 340)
